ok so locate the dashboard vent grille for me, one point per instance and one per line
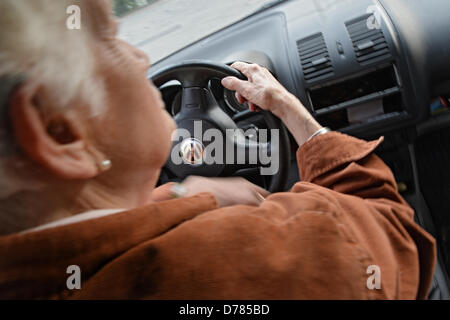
(314, 57)
(368, 40)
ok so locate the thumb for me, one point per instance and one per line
(234, 84)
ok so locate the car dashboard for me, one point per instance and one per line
(363, 67)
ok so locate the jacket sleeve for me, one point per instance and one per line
(349, 166)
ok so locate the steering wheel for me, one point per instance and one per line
(200, 116)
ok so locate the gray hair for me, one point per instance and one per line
(36, 44)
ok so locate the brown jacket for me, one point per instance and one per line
(314, 242)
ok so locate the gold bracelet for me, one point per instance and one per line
(260, 196)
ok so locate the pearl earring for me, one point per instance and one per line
(105, 165)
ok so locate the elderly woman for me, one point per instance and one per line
(83, 135)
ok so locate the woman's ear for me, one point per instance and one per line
(50, 141)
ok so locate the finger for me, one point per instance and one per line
(245, 68)
(163, 192)
(240, 98)
(248, 69)
(240, 66)
(253, 107)
(234, 84)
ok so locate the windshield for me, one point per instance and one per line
(161, 27)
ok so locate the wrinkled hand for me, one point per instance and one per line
(227, 191)
(260, 90)
(264, 91)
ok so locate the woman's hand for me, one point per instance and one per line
(261, 90)
(227, 191)
(264, 91)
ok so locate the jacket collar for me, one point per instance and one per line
(33, 265)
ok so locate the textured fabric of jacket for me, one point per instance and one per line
(321, 240)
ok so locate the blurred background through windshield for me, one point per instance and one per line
(161, 27)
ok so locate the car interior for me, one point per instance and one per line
(368, 68)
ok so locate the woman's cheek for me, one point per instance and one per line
(163, 135)
(172, 124)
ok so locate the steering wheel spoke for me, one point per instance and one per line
(244, 115)
(195, 101)
(249, 153)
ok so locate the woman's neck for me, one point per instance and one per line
(31, 209)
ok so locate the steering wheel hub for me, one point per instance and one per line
(192, 151)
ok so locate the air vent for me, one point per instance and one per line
(315, 58)
(368, 40)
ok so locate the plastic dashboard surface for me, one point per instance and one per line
(315, 45)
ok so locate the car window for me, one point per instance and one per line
(161, 27)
